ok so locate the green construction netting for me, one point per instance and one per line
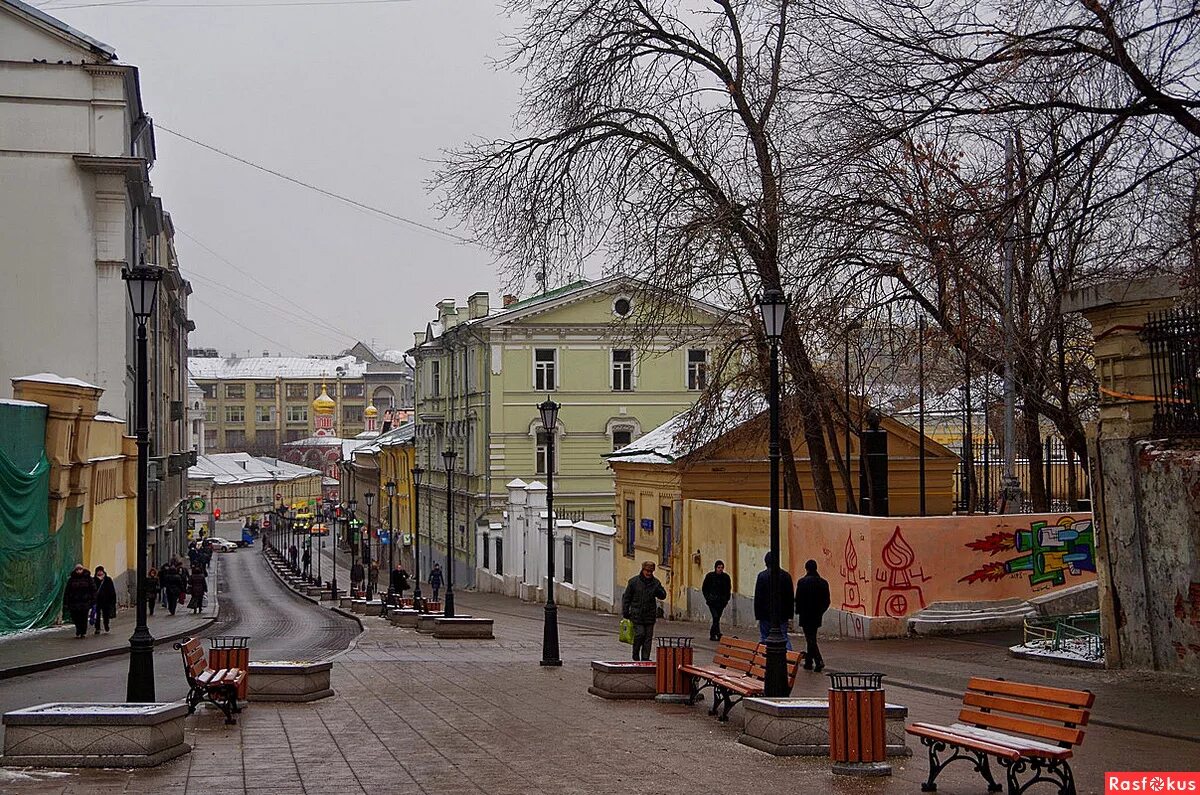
(34, 563)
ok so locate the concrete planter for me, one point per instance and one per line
(314, 590)
(345, 602)
(404, 618)
(623, 680)
(463, 627)
(94, 735)
(289, 680)
(427, 622)
(800, 726)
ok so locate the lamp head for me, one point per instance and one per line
(417, 473)
(142, 283)
(353, 505)
(370, 498)
(773, 306)
(548, 410)
(448, 457)
(390, 487)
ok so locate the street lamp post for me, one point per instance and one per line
(370, 498)
(352, 530)
(417, 472)
(390, 486)
(142, 283)
(773, 306)
(448, 457)
(549, 413)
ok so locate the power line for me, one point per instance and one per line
(458, 239)
(237, 322)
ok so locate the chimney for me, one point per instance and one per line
(510, 299)
(477, 306)
(447, 313)
(418, 338)
(266, 354)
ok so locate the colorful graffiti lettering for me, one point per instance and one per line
(899, 597)
(1051, 552)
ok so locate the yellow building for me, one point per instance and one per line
(390, 455)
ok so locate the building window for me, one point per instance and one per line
(209, 390)
(630, 527)
(235, 414)
(210, 413)
(668, 537)
(435, 378)
(235, 391)
(697, 372)
(622, 306)
(354, 390)
(235, 440)
(297, 413)
(210, 439)
(545, 361)
(297, 391)
(265, 441)
(352, 414)
(568, 560)
(622, 370)
(543, 452)
(264, 415)
(264, 391)
(294, 435)
(487, 552)
(622, 439)
(499, 556)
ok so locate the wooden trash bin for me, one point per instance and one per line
(857, 729)
(231, 651)
(670, 684)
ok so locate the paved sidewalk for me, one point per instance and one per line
(55, 647)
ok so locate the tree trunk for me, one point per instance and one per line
(1033, 453)
(809, 392)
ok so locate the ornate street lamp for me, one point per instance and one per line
(351, 531)
(368, 558)
(390, 487)
(417, 472)
(448, 457)
(773, 306)
(548, 410)
(142, 283)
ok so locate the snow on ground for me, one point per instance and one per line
(1068, 650)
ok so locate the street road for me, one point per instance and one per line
(253, 603)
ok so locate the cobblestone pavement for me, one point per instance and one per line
(417, 715)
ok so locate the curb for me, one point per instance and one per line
(352, 616)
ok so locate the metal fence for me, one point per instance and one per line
(1173, 337)
(1066, 480)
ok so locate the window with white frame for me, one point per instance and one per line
(621, 438)
(435, 378)
(264, 414)
(697, 369)
(622, 370)
(297, 413)
(235, 414)
(543, 453)
(545, 367)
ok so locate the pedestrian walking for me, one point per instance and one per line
(399, 582)
(639, 604)
(78, 598)
(372, 579)
(435, 580)
(197, 587)
(306, 560)
(151, 589)
(764, 600)
(292, 555)
(106, 599)
(812, 600)
(357, 576)
(717, 590)
(173, 585)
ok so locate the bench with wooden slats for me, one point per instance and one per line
(218, 687)
(738, 670)
(1029, 729)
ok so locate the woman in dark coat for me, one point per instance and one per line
(78, 598)
(151, 589)
(197, 587)
(106, 599)
(172, 582)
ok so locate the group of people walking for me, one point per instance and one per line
(90, 599)
(807, 602)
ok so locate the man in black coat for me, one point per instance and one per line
(639, 605)
(171, 581)
(764, 600)
(812, 600)
(106, 599)
(717, 589)
(78, 598)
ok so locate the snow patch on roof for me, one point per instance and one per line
(26, 403)
(55, 378)
(275, 367)
(230, 468)
(667, 443)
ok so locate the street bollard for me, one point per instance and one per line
(670, 685)
(857, 730)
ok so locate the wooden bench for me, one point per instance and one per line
(1028, 728)
(217, 687)
(736, 672)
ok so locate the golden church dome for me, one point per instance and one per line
(371, 411)
(324, 404)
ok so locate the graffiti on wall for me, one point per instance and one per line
(851, 595)
(901, 595)
(1048, 553)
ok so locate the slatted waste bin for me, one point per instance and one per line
(231, 651)
(857, 730)
(670, 684)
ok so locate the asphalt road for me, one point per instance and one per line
(253, 603)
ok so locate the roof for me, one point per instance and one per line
(548, 295)
(667, 443)
(231, 468)
(267, 367)
(63, 29)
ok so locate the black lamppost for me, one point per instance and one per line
(851, 327)
(549, 412)
(390, 487)
(417, 472)
(142, 283)
(773, 306)
(351, 534)
(368, 558)
(448, 457)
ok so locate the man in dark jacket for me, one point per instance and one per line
(812, 600)
(171, 581)
(764, 600)
(357, 575)
(716, 589)
(398, 583)
(435, 580)
(639, 606)
(78, 598)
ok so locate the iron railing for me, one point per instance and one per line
(1173, 337)
(1065, 478)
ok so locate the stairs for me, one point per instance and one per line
(951, 618)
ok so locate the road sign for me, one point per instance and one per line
(385, 537)
(197, 505)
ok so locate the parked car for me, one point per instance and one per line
(222, 545)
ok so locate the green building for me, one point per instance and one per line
(481, 373)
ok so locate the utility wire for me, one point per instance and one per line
(239, 323)
(458, 239)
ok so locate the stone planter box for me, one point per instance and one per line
(345, 602)
(427, 622)
(463, 627)
(623, 680)
(404, 618)
(94, 735)
(314, 590)
(800, 726)
(289, 680)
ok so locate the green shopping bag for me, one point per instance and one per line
(626, 635)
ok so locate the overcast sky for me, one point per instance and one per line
(357, 98)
